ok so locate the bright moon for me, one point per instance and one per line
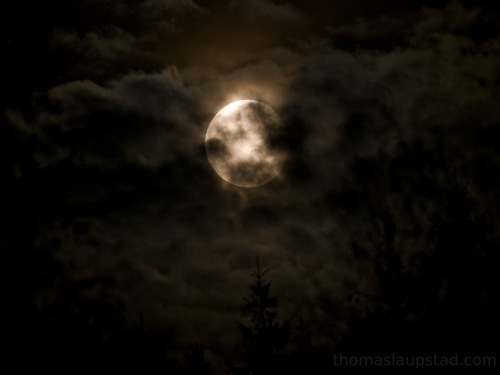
(241, 143)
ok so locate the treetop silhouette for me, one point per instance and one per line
(265, 338)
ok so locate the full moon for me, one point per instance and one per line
(241, 143)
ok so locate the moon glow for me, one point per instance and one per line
(240, 143)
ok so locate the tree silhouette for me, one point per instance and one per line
(194, 362)
(273, 347)
(386, 326)
(265, 339)
(457, 298)
(444, 302)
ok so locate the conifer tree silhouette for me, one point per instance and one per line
(266, 338)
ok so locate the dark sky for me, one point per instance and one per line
(107, 105)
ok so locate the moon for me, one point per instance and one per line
(242, 143)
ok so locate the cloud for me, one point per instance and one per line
(368, 129)
(265, 11)
(124, 35)
(142, 119)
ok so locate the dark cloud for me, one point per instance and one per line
(265, 11)
(111, 167)
(217, 148)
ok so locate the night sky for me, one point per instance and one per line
(380, 231)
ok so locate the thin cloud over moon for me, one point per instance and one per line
(238, 147)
